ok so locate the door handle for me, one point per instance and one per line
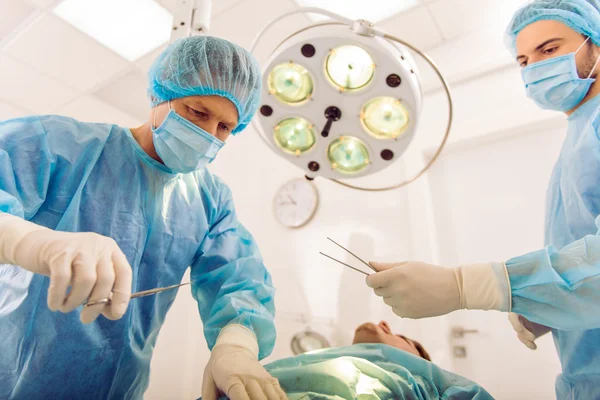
(460, 332)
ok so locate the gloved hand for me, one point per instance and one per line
(93, 265)
(527, 331)
(419, 290)
(234, 370)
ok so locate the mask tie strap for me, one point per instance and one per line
(582, 44)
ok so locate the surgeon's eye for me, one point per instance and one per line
(523, 64)
(223, 127)
(549, 51)
(196, 113)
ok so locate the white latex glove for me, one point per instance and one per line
(419, 290)
(92, 265)
(527, 331)
(234, 370)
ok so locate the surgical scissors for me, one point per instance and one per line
(352, 254)
(143, 293)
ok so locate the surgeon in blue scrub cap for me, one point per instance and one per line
(89, 211)
(557, 45)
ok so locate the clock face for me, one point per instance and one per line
(296, 203)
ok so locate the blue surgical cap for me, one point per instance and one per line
(582, 16)
(207, 66)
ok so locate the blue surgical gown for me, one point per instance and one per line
(78, 177)
(559, 286)
(369, 372)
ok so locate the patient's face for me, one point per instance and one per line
(371, 333)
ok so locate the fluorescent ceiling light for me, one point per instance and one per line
(131, 28)
(371, 10)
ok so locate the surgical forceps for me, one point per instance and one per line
(352, 254)
(143, 293)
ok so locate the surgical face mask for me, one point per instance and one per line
(182, 146)
(555, 84)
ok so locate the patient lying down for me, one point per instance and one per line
(371, 333)
(378, 365)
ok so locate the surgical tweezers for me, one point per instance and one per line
(352, 254)
(137, 294)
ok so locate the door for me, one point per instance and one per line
(488, 203)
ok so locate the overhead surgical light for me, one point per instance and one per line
(341, 99)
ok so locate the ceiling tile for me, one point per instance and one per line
(128, 94)
(237, 16)
(456, 18)
(44, 3)
(415, 26)
(449, 57)
(59, 50)
(374, 10)
(145, 62)
(221, 6)
(8, 111)
(168, 4)
(92, 109)
(28, 88)
(218, 6)
(14, 12)
(231, 13)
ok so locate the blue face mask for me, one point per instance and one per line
(555, 84)
(182, 146)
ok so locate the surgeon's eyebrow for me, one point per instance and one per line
(230, 124)
(541, 46)
(198, 103)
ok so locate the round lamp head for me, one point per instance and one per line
(290, 83)
(295, 135)
(348, 155)
(384, 117)
(349, 67)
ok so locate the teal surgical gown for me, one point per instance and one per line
(80, 177)
(369, 372)
(559, 286)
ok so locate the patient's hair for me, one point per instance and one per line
(422, 352)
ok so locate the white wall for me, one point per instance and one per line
(496, 212)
